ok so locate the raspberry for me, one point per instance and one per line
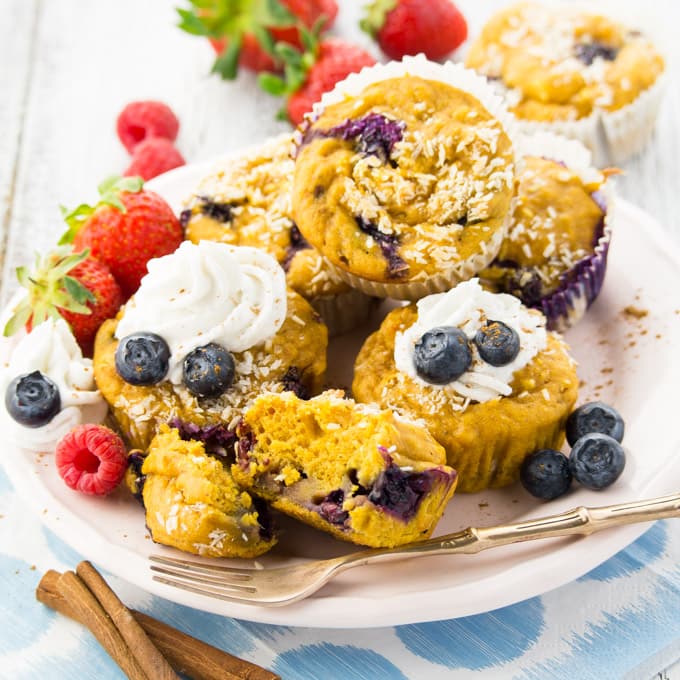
(91, 459)
(153, 157)
(141, 120)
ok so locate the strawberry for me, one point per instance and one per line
(245, 31)
(128, 227)
(72, 285)
(310, 74)
(401, 27)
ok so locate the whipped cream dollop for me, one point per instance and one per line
(211, 292)
(468, 306)
(51, 349)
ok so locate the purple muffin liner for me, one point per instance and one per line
(580, 286)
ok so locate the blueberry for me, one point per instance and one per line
(546, 474)
(208, 370)
(595, 416)
(597, 460)
(142, 358)
(442, 355)
(394, 492)
(32, 399)
(588, 52)
(497, 343)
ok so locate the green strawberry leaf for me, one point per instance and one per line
(375, 14)
(23, 276)
(18, 320)
(227, 63)
(74, 219)
(79, 292)
(265, 40)
(272, 13)
(109, 194)
(190, 23)
(272, 84)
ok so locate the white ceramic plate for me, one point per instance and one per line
(625, 359)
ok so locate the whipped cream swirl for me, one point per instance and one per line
(468, 307)
(51, 349)
(210, 292)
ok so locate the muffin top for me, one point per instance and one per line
(558, 63)
(557, 221)
(245, 201)
(408, 178)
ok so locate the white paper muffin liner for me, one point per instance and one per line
(612, 136)
(344, 312)
(461, 78)
(417, 288)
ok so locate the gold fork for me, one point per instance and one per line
(284, 585)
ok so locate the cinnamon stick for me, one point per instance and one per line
(150, 660)
(91, 613)
(186, 654)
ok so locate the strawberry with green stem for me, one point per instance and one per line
(125, 229)
(246, 31)
(69, 285)
(309, 73)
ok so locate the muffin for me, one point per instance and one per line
(575, 73)
(217, 313)
(481, 371)
(404, 177)
(192, 502)
(555, 254)
(246, 201)
(46, 363)
(360, 474)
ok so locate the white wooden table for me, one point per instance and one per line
(67, 67)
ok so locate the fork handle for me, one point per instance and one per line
(581, 520)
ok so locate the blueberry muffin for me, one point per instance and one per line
(555, 254)
(363, 475)
(573, 72)
(404, 177)
(481, 371)
(210, 327)
(246, 201)
(192, 502)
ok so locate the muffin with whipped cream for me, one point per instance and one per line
(574, 72)
(361, 474)
(211, 326)
(554, 257)
(481, 371)
(245, 201)
(404, 176)
(48, 387)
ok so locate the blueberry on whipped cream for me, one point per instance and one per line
(442, 355)
(48, 387)
(209, 293)
(142, 358)
(32, 399)
(486, 324)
